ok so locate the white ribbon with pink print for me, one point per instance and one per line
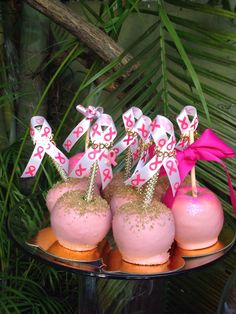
(186, 126)
(130, 118)
(41, 134)
(102, 134)
(142, 128)
(143, 157)
(164, 138)
(90, 114)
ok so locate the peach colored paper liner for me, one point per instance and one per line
(226, 237)
(47, 242)
(217, 247)
(114, 263)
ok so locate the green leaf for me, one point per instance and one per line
(204, 8)
(166, 21)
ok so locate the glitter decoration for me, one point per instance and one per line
(74, 200)
(150, 189)
(68, 183)
(116, 183)
(155, 209)
(128, 163)
(92, 176)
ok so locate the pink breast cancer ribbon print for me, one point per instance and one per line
(102, 135)
(130, 118)
(90, 114)
(41, 134)
(163, 135)
(142, 128)
(186, 125)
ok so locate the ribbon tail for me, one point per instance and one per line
(76, 134)
(172, 172)
(105, 172)
(83, 165)
(231, 189)
(57, 155)
(142, 176)
(168, 198)
(120, 147)
(33, 164)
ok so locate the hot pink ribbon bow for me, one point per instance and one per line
(208, 147)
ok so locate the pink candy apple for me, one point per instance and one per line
(79, 225)
(198, 220)
(119, 200)
(115, 184)
(122, 194)
(62, 187)
(144, 237)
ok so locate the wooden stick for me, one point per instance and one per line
(193, 171)
(87, 140)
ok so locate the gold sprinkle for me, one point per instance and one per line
(142, 217)
(69, 182)
(74, 200)
(117, 181)
(136, 208)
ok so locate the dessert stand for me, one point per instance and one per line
(31, 215)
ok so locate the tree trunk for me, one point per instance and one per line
(4, 100)
(90, 35)
(11, 34)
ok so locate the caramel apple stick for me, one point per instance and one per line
(87, 139)
(149, 191)
(91, 182)
(193, 171)
(128, 163)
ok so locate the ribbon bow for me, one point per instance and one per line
(41, 134)
(164, 138)
(90, 114)
(102, 134)
(130, 118)
(186, 126)
(208, 147)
